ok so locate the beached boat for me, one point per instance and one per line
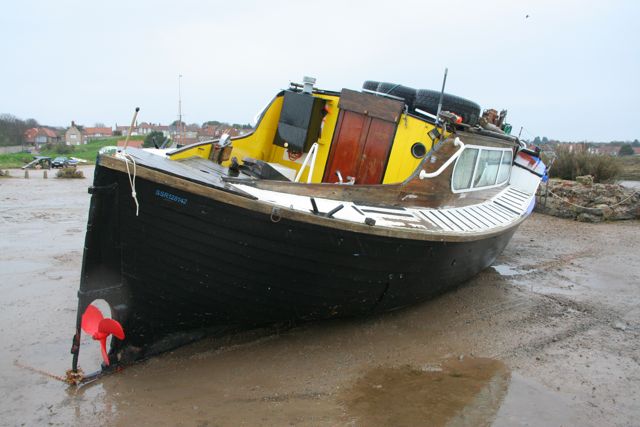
(337, 204)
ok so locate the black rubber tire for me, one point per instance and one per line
(427, 100)
(404, 92)
(370, 85)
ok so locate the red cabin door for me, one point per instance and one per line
(363, 137)
(360, 148)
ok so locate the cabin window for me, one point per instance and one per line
(463, 171)
(487, 169)
(505, 166)
(481, 167)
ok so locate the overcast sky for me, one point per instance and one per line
(569, 71)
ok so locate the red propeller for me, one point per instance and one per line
(94, 324)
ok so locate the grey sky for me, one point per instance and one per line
(569, 71)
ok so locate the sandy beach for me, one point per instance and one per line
(549, 335)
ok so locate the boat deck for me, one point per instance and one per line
(194, 169)
(500, 211)
(505, 208)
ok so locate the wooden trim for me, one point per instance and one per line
(370, 105)
(332, 151)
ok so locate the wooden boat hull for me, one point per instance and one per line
(190, 263)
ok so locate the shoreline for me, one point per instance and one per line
(548, 335)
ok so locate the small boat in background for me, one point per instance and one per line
(337, 204)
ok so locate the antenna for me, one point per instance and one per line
(179, 110)
(444, 81)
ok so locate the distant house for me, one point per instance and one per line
(97, 133)
(209, 132)
(166, 130)
(190, 132)
(40, 136)
(146, 128)
(606, 149)
(124, 130)
(185, 140)
(74, 135)
(30, 136)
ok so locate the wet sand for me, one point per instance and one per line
(548, 336)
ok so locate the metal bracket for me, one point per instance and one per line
(329, 214)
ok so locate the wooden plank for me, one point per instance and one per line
(491, 216)
(429, 220)
(373, 161)
(465, 223)
(516, 195)
(515, 190)
(443, 225)
(471, 218)
(443, 214)
(505, 210)
(513, 209)
(511, 198)
(371, 105)
(480, 217)
(346, 147)
(498, 213)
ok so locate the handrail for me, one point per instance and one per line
(458, 143)
(311, 154)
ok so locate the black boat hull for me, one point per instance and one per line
(190, 263)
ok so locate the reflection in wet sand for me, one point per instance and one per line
(463, 392)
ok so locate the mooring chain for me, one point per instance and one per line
(71, 378)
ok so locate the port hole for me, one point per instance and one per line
(418, 150)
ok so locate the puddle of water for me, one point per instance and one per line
(22, 266)
(464, 392)
(634, 185)
(506, 270)
(530, 404)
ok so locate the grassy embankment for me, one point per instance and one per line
(630, 168)
(87, 152)
(603, 168)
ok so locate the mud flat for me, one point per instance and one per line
(550, 335)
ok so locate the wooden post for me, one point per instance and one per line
(546, 194)
(26, 174)
(133, 122)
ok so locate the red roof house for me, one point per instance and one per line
(40, 136)
(101, 132)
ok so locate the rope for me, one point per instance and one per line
(593, 208)
(38, 371)
(132, 180)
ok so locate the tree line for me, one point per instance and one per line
(12, 129)
(176, 123)
(544, 140)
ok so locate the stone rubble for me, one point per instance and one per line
(595, 201)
